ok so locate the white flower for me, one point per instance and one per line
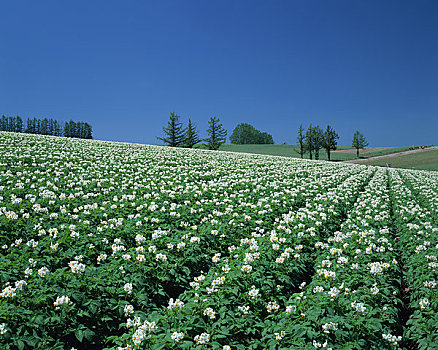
(28, 272)
(76, 266)
(63, 300)
(42, 272)
(177, 336)
(392, 338)
(272, 306)
(202, 338)
(291, 308)
(246, 268)
(161, 257)
(128, 309)
(327, 327)
(333, 292)
(210, 313)
(128, 288)
(216, 257)
(430, 284)
(359, 307)
(8, 292)
(253, 292)
(175, 304)
(424, 303)
(279, 336)
(3, 329)
(243, 309)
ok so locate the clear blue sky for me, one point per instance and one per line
(123, 66)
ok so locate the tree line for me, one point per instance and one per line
(311, 141)
(47, 126)
(175, 135)
(314, 139)
(245, 134)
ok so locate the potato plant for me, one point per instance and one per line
(120, 246)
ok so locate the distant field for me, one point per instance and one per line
(425, 160)
(284, 151)
(343, 152)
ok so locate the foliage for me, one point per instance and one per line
(14, 124)
(330, 140)
(47, 126)
(246, 134)
(217, 134)
(359, 141)
(309, 141)
(301, 141)
(121, 246)
(174, 132)
(191, 136)
(314, 140)
(80, 130)
(318, 140)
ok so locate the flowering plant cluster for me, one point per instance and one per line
(415, 198)
(122, 246)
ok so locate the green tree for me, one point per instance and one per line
(88, 131)
(309, 141)
(318, 140)
(245, 133)
(359, 142)
(44, 127)
(301, 139)
(71, 129)
(191, 136)
(265, 138)
(174, 133)
(217, 134)
(3, 123)
(330, 140)
(242, 134)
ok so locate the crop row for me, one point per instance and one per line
(121, 246)
(417, 225)
(231, 302)
(94, 220)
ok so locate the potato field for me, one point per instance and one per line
(123, 246)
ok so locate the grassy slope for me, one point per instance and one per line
(283, 150)
(426, 160)
(292, 151)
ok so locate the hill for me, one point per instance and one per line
(342, 154)
(422, 160)
(128, 246)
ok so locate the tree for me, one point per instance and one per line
(191, 136)
(330, 140)
(309, 141)
(301, 141)
(174, 132)
(245, 133)
(4, 123)
(318, 140)
(88, 131)
(265, 138)
(217, 133)
(44, 127)
(359, 142)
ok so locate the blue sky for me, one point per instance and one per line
(123, 66)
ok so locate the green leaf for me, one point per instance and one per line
(79, 335)
(20, 344)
